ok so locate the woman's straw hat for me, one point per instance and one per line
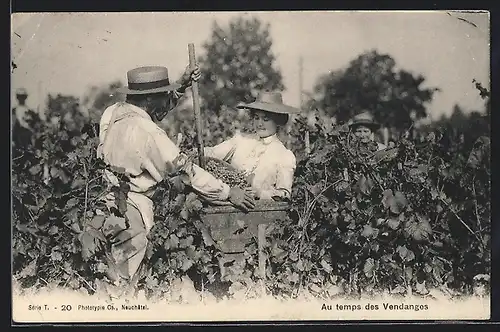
(270, 102)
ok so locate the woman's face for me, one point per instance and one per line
(364, 134)
(264, 125)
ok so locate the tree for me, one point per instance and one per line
(371, 82)
(468, 126)
(98, 98)
(458, 119)
(65, 111)
(237, 63)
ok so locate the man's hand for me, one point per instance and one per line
(242, 198)
(189, 76)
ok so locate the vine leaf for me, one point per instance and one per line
(394, 202)
(365, 184)
(405, 254)
(393, 223)
(314, 189)
(421, 289)
(186, 265)
(401, 201)
(398, 290)
(370, 267)
(328, 268)
(29, 270)
(91, 241)
(369, 232)
(420, 229)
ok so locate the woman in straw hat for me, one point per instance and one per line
(269, 165)
(363, 126)
(131, 140)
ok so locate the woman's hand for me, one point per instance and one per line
(242, 198)
(272, 194)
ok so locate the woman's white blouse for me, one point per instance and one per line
(270, 162)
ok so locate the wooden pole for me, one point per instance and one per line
(385, 132)
(40, 109)
(261, 240)
(39, 92)
(196, 108)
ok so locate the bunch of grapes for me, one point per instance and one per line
(225, 172)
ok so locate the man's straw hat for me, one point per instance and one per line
(364, 119)
(149, 79)
(21, 92)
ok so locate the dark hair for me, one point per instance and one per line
(357, 125)
(280, 119)
(137, 99)
(147, 101)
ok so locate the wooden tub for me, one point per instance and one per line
(232, 228)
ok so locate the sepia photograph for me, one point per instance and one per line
(250, 166)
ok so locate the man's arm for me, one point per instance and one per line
(103, 127)
(164, 158)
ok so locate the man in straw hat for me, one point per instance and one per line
(131, 140)
(21, 111)
(21, 114)
(364, 126)
(269, 165)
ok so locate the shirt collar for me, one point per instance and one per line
(142, 113)
(269, 139)
(123, 109)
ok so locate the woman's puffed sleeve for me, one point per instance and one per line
(222, 150)
(284, 177)
(286, 172)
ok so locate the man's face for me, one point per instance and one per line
(363, 134)
(21, 99)
(162, 104)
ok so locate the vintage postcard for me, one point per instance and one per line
(247, 166)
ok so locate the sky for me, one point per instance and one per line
(68, 52)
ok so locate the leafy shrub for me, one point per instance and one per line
(408, 219)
